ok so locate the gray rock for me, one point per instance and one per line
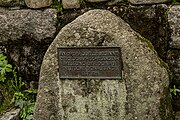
(150, 21)
(96, 0)
(38, 3)
(148, 1)
(11, 115)
(36, 25)
(69, 4)
(114, 2)
(8, 3)
(174, 23)
(141, 94)
(30, 32)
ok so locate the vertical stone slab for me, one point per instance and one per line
(141, 94)
(174, 23)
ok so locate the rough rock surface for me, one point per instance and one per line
(96, 0)
(27, 33)
(11, 115)
(38, 3)
(37, 25)
(9, 3)
(114, 2)
(141, 94)
(69, 4)
(174, 60)
(174, 23)
(148, 1)
(150, 21)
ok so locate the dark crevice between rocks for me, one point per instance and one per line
(173, 60)
(26, 55)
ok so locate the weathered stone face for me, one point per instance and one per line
(174, 22)
(26, 34)
(37, 25)
(9, 3)
(149, 21)
(141, 94)
(69, 4)
(148, 1)
(38, 3)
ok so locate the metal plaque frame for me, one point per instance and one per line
(97, 62)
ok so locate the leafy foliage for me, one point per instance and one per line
(22, 97)
(175, 2)
(27, 109)
(4, 67)
(56, 4)
(174, 90)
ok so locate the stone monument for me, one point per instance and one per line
(141, 94)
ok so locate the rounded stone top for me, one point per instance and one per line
(138, 95)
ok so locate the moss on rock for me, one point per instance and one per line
(7, 97)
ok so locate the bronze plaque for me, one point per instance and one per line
(90, 63)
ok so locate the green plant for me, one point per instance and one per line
(56, 5)
(27, 109)
(174, 90)
(22, 97)
(25, 100)
(82, 3)
(175, 2)
(4, 67)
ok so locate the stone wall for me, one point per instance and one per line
(27, 27)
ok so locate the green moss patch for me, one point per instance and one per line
(6, 104)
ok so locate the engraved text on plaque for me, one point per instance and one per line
(90, 62)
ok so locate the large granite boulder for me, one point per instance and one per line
(142, 94)
(174, 23)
